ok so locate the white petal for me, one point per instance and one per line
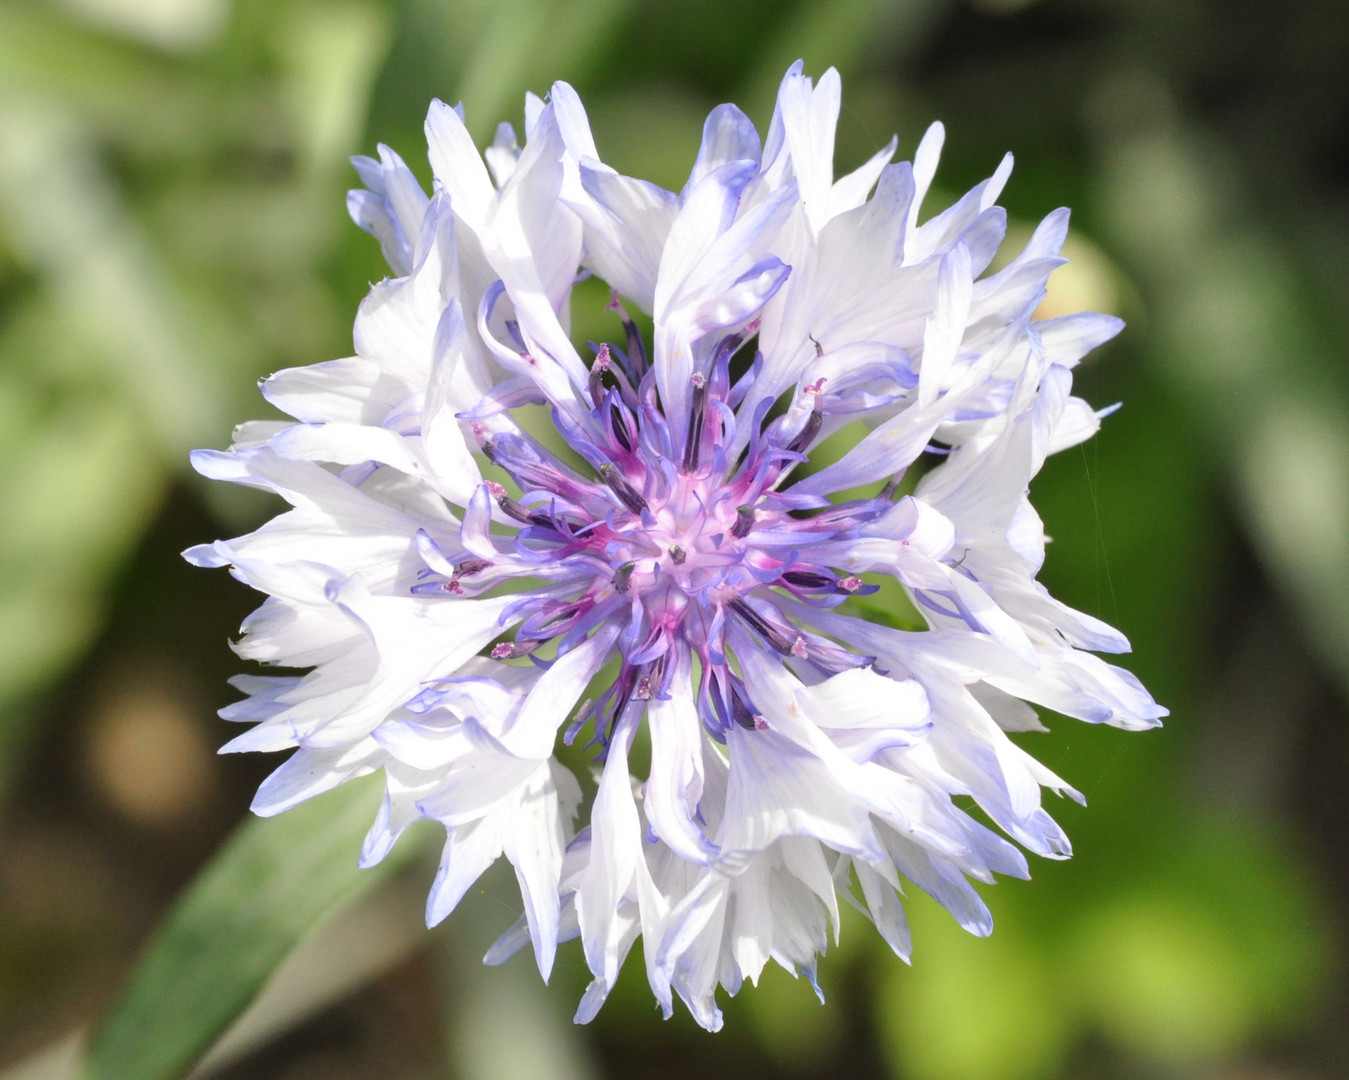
(457, 166)
(809, 118)
(469, 850)
(925, 167)
(946, 327)
(728, 135)
(675, 785)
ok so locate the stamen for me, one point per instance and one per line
(584, 713)
(727, 346)
(623, 577)
(621, 429)
(636, 350)
(597, 371)
(744, 521)
(651, 682)
(887, 493)
(693, 440)
(677, 555)
(756, 622)
(808, 579)
(807, 434)
(513, 650)
(628, 495)
(525, 516)
(742, 715)
(463, 570)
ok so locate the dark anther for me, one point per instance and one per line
(744, 521)
(892, 486)
(597, 376)
(628, 495)
(744, 715)
(756, 622)
(513, 509)
(807, 434)
(697, 411)
(636, 350)
(808, 579)
(522, 514)
(471, 567)
(620, 428)
(489, 451)
(677, 555)
(727, 346)
(623, 577)
(819, 349)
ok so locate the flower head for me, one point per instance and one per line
(465, 595)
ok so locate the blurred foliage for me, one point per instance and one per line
(172, 227)
(270, 886)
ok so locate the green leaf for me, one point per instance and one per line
(271, 883)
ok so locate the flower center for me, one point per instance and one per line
(675, 538)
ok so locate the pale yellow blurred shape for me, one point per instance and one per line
(1089, 281)
(148, 750)
(971, 1008)
(177, 25)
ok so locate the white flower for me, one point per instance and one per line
(453, 625)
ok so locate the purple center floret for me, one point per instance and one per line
(671, 540)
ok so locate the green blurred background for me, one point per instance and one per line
(172, 228)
